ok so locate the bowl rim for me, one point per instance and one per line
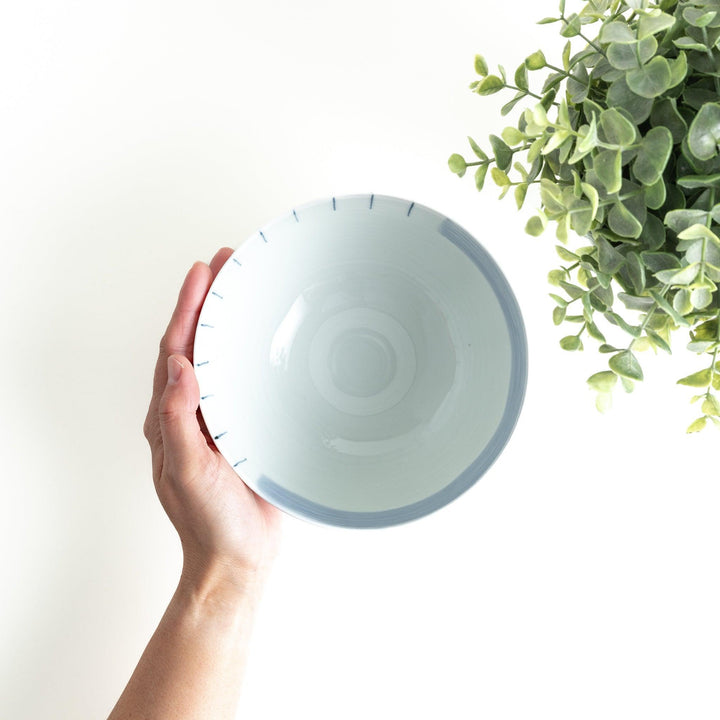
(298, 506)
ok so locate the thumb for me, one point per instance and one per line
(184, 446)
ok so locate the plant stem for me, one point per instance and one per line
(592, 45)
(527, 92)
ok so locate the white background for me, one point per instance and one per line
(577, 579)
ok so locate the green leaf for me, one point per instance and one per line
(477, 149)
(698, 379)
(626, 365)
(562, 302)
(609, 259)
(603, 381)
(699, 232)
(658, 341)
(499, 177)
(566, 55)
(711, 406)
(706, 331)
(687, 43)
(623, 222)
(481, 67)
(520, 193)
(684, 276)
(669, 309)
(594, 332)
(636, 271)
(565, 254)
(536, 61)
(624, 56)
(608, 349)
(651, 80)
(535, 226)
(697, 425)
(701, 297)
(607, 165)
(559, 315)
(521, 77)
(571, 26)
(616, 319)
(512, 136)
(490, 85)
(603, 402)
(697, 16)
(679, 220)
(678, 69)
(665, 114)
(617, 32)
(653, 22)
(503, 154)
(620, 95)
(655, 195)
(704, 134)
(547, 21)
(617, 129)
(457, 164)
(653, 155)
(692, 182)
(571, 342)
(480, 174)
(508, 106)
(592, 194)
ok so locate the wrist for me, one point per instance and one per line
(214, 583)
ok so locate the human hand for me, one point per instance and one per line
(225, 528)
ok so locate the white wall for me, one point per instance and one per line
(577, 579)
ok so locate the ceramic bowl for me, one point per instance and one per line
(362, 361)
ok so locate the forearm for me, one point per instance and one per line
(193, 665)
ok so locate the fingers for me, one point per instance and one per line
(184, 447)
(221, 257)
(180, 333)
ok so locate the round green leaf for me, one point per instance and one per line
(535, 227)
(457, 164)
(704, 135)
(481, 67)
(571, 342)
(626, 365)
(653, 22)
(490, 85)
(603, 381)
(653, 155)
(536, 61)
(607, 165)
(617, 31)
(620, 95)
(651, 80)
(623, 222)
(627, 56)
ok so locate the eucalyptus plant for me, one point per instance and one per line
(623, 139)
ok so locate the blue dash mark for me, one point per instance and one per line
(372, 197)
(239, 461)
(262, 235)
(206, 325)
(412, 205)
(216, 294)
(215, 437)
(204, 362)
(334, 204)
(205, 397)
(235, 260)
(295, 216)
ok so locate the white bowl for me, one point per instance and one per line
(362, 361)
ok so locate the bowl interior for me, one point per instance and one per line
(354, 360)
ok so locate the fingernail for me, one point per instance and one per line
(174, 368)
